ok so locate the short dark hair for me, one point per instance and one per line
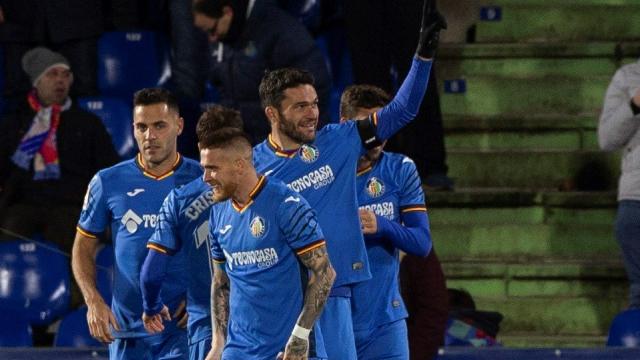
(361, 96)
(210, 8)
(274, 83)
(151, 96)
(217, 117)
(225, 137)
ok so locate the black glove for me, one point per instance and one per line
(432, 23)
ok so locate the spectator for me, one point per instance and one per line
(49, 149)
(382, 35)
(71, 27)
(249, 37)
(424, 291)
(619, 128)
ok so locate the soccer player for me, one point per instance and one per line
(273, 274)
(183, 227)
(320, 165)
(393, 217)
(127, 197)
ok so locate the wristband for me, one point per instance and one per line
(300, 332)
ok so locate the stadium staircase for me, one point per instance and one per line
(521, 106)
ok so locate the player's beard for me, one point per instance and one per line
(290, 129)
(223, 192)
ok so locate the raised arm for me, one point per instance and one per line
(405, 105)
(99, 315)
(321, 277)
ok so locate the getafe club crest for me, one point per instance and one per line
(258, 227)
(308, 153)
(375, 187)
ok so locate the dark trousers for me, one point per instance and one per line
(628, 236)
(383, 34)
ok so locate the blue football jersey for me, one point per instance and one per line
(183, 228)
(259, 245)
(324, 173)
(128, 199)
(391, 187)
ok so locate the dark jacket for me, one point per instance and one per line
(269, 39)
(54, 20)
(84, 147)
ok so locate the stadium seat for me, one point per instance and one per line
(34, 280)
(74, 331)
(15, 330)
(129, 61)
(625, 329)
(117, 117)
(104, 265)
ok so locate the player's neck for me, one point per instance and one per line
(161, 168)
(242, 195)
(283, 141)
(364, 163)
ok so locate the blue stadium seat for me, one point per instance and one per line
(34, 280)
(625, 329)
(104, 275)
(74, 331)
(15, 330)
(129, 61)
(117, 117)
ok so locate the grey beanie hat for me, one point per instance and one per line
(37, 61)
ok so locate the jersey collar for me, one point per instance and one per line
(262, 181)
(146, 173)
(278, 150)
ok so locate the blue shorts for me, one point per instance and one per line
(337, 328)
(199, 349)
(388, 341)
(161, 347)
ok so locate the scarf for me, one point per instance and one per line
(39, 144)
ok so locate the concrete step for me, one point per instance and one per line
(515, 339)
(524, 242)
(555, 315)
(534, 169)
(526, 60)
(513, 198)
(567, 297)
(498, 95)
(463, 132)
(546, 21)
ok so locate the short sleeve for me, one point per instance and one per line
(412, 196)
(217, 254)
(165, 236)
(94, 217)
(299, 224)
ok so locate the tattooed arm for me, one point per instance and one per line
(219, 311)
(321, 277)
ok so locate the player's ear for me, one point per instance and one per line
(270, 112)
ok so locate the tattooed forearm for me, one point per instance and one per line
(321, 277)
(296, 348)
(220, 302)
